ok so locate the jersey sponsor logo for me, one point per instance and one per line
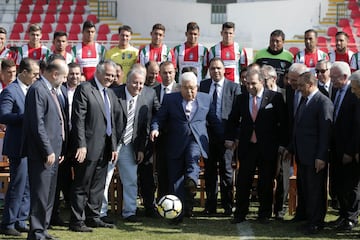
(227, 55)
(89, 53)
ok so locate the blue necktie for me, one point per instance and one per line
(107, 113)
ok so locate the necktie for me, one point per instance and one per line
(61, 99)
(188, 108)
(130, 122)
(215, 94)
(107, 113)
(56, 100)
(337, 104)
(301, 107)
(254, 112)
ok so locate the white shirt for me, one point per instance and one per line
(162, 92)
(23, 87)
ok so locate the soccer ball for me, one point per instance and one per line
(169, 206)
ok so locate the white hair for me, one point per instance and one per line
(355, 77)
(188, 77)
(343, 67)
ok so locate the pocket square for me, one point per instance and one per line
(269, 106)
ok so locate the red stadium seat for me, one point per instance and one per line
(115, 37)
(73, 37)
(18, 28)
(15, 36)
(46, 28)
(348, 30)
(77, 19)
(75, 28)
(52, 9)
(332, 41)
(353, 6)
(35, 18)
(79, 9)
(24, 9)
(355, 13)
(49, 18)
(332, 31)
(356, 22)
(27, 2)
(41, 2)
(45, 36)
(68, 3)
(38, 9)
(61, 27)
(81, 2)
(92, 17)
(65, 9)
(322, 41)
(21, 18)
(344, 22)
(101, 37)
(104, 29)
(63, 18)
(294, 50)
(324, 49)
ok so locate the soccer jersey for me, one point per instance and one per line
(25, 51)
(355, 62)
(5, 53)
(69, 58)
(159, 55)
(88, 56)
(335, 56)
(191, 57)
(310, 59)
(281, 61)
(125, 57)
(233, 57)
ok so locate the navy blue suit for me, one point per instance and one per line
(229, 92)
(43, 136)
(186, 140)
(17, 201)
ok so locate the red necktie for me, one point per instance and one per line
(254, 111)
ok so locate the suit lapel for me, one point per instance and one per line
(265, 100)
(97, 95)
(19, 92)
(122, 99)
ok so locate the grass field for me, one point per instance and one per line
(200, 228)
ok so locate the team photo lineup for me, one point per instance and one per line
(166, 118)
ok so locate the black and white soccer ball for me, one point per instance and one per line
(169, 206)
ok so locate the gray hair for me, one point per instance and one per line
(267, 70)
(100, 68)
(324, 61)
(298, 68)
(355, 77)
(343, 67)
(188, 77)
(136, 69)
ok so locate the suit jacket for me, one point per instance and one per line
(146, 105)
(42, 123)
(88, 120)
(175, 88)
(270, 124)
(312, 130)
(344, 128)
(329, 93)
(12, 104)
(229, 92)
(179, 128)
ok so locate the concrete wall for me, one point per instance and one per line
(254, 20)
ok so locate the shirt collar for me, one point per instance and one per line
(220, 83)
(98, 84)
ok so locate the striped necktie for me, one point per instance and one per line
(130, 122)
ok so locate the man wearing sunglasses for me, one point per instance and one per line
(322, 70)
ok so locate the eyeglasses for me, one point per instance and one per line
(321, 71)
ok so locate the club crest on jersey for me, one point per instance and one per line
(129, 55)
(89, 53)
(311, 62)
(227, 55)
(123, 56)
(191, 56)
(34, 54)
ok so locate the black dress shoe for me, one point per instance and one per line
(313, 229)
(208, 212)
(132, 219)
(107, 219)
(22, 229)
(346, 226)
(297, 219)
(80, 228)
(228, 212)
(98, 224)
(336, 223)
(151, 213)
(10, 232)
(237, 220)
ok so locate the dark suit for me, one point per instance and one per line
(344, 138)
(310, 142)
(327, 93)
(89, 131)
(161, 162)
(42, 137)
(17, 201)
(186, 140)
(229, 92)
(64, 180)
(146, 104)
(270, 127)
